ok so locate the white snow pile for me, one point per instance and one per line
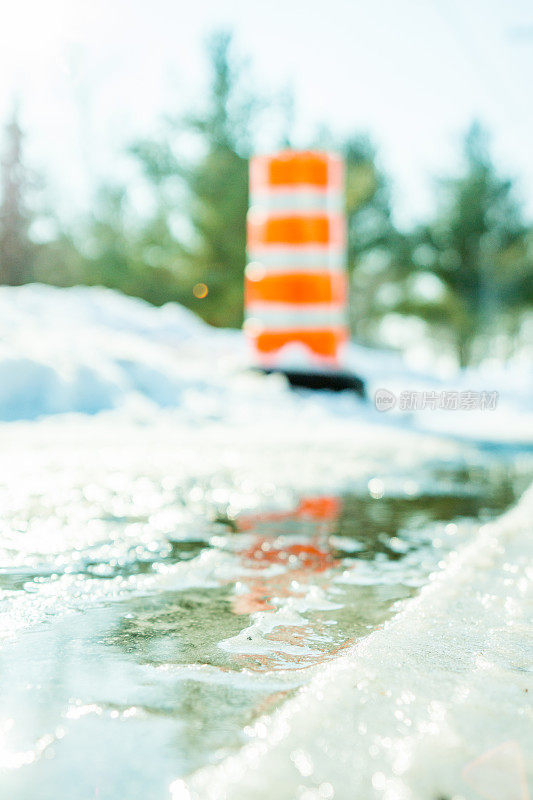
(89, 349)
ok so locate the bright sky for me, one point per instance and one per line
(94, 74)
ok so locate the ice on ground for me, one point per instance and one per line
(89, 349)
(434, 705)
(109, 622)
(97, 494)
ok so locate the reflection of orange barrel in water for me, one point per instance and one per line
(296, 286)
(273, 544)
(323, 509)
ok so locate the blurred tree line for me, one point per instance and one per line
(466, 273)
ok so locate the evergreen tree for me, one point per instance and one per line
(214, 255)
(477, 247)
(378, 256)
(16, 249)
(137, 258)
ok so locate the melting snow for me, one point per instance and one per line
(433, 705)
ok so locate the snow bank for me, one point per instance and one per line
(433, 705)
(89, 349)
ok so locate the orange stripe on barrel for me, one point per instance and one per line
(321, 170)
(323, 342)
(297, 288)
(309, 229)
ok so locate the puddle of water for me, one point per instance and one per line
(166, 647)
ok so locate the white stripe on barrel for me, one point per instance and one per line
(298, 258)
(285, 316)
(296, 202)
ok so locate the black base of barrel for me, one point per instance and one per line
(328, 381)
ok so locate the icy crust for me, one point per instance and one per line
(84, 499)
(433, 705)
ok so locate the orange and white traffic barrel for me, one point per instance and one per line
(296, 282)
